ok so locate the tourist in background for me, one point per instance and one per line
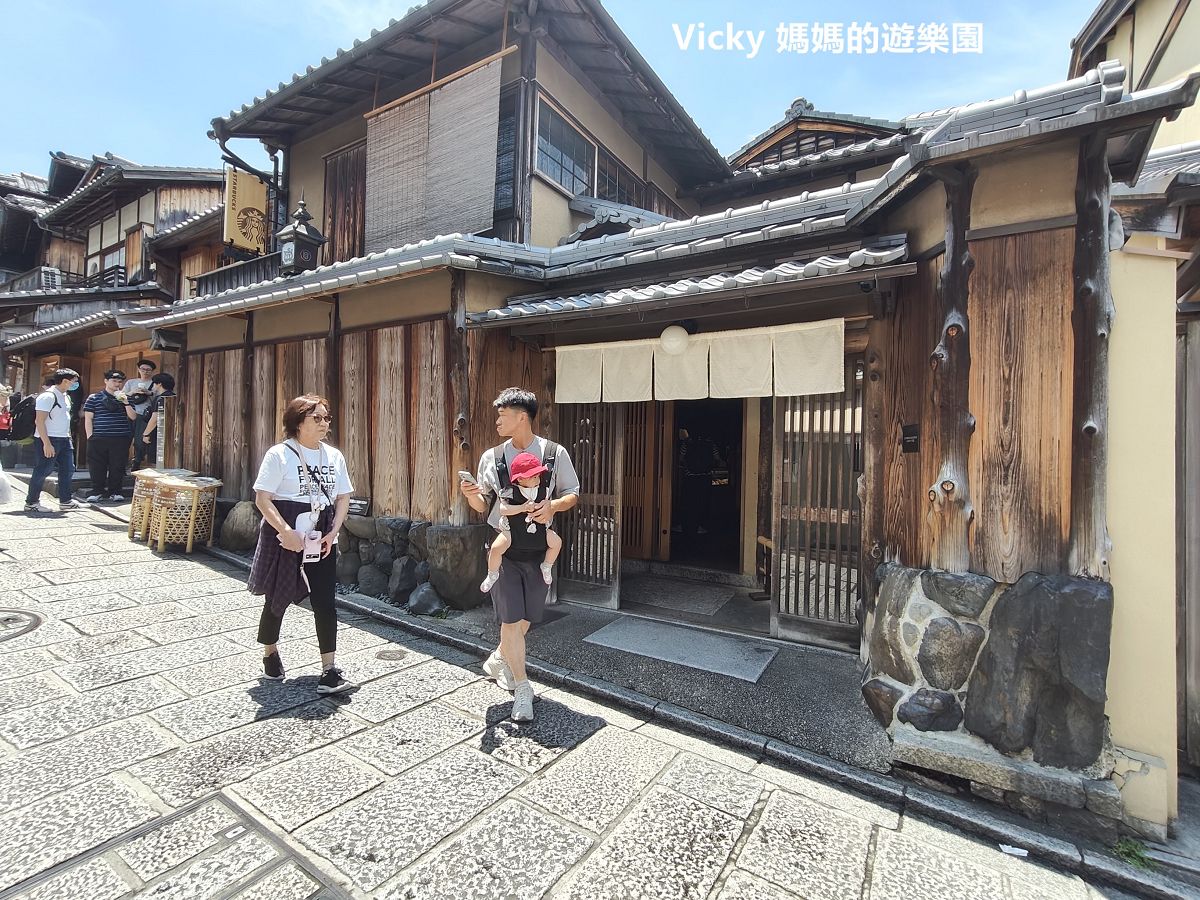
(52, 439)
(108, 420)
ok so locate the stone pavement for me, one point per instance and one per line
(141, 756)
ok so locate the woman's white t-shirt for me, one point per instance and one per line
(280, 473)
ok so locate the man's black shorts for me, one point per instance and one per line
(520, 593)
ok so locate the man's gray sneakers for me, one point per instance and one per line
(495, 668)
(522, 710)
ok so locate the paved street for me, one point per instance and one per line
(141, 756)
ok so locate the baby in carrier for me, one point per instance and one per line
(516, 525)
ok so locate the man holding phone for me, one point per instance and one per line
(519, 594)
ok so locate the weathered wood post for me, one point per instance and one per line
(870, 482)
(950, 510)
(1091, 321)
(460, 393)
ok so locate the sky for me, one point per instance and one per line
(143, 79)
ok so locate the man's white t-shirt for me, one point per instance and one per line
(58, 422)
(281, 474)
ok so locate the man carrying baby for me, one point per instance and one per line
(520, 593)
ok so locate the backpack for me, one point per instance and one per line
(24, 419)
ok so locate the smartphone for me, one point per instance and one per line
(466, 476)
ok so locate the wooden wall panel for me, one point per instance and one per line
(494, 366)
(1021, 375)
(181, 202)
(314, 366)
(194, 263)
(352, 420)
(64, 255)
(192, 392)
(236, 463)
(212, 415)
(429, 427)
(289, 363)
(389, 425)
(266, 428)
(908, 338)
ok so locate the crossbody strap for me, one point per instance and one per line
(308, 475)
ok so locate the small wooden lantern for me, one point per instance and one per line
(299, 243)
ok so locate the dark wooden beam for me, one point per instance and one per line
(460, 391)
(293, 107)
(871, 486)
(402, 57)
(951, 424)
(464, 23)
(1089, 546)
(350, 86)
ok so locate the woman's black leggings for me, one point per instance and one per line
(322, 577)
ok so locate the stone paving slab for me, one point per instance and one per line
(532, 746)
(594, 785)
(198, 770)
(482, 699)
(536, 852)
(411, 738)
(227, 601)
(47, 633)
(373, 838)
(407, 689)
(169, 846)
(76, 760)
(29, 691)
(211, 875)
(244, 667)
(76, 713)
(101, 645)
(199, 718)
(308, 786)
(809, 849)
(95, 880)
(905, 868)
(69, 609)
(721, 788)
(193, 590)
(735, 759)
(134, 617)
(669, 846)
(19, 581)
(287, 882)
(131, 585)
(877, 812)
(66, 824)
(741, 885)
(23, 662)
(186, 628)
(96, 673)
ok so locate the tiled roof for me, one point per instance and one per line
(213, 212)
(32, 205)
(608, 212)
(23, 181)
(795, 270)
(17, 298)
(1165, 169)
(116, 168)
(63, 328)
(1094, 98)
(802, 110)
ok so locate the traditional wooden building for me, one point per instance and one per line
(883, 352)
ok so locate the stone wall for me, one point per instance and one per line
(1001, 685)
(423, 567)
(415, 564)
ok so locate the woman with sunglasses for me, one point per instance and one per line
(303, 491)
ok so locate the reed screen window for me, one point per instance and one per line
(563, 153)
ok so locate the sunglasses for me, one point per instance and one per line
(319, 419)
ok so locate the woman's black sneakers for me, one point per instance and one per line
(273, 667)
(332, 682)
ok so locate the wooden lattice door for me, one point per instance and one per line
(817, 520)
(590, 565)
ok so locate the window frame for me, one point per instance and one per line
(568, 121)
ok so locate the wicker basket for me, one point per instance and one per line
(182, 511)
(143, 500)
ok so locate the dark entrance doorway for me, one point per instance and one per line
(706, 484)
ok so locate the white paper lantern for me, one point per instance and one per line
(674, 339)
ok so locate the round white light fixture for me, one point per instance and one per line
(674, 339)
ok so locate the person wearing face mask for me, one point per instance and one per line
(52, 439)
(517, 527)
